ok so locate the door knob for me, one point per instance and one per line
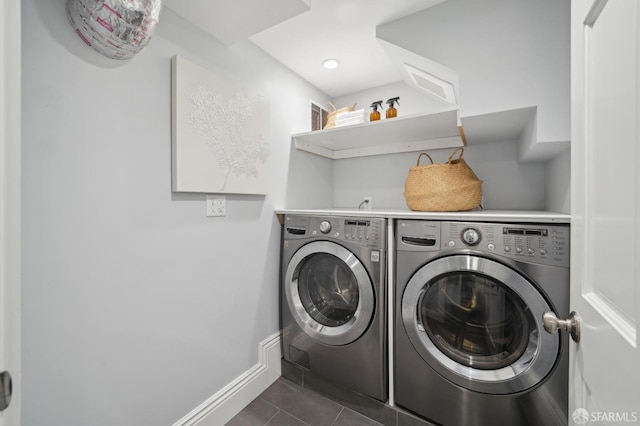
(6, 389)
(552, 324)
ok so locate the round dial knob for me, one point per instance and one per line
(471, 236)
(325, 227)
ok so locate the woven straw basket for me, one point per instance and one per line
(331, 117)
(446, 187)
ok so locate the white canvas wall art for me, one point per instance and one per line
(220, 133)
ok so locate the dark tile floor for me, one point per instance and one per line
(286, 403)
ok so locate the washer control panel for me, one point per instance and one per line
(325, 226)
(369, 232)
(471, 236)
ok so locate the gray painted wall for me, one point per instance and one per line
(137, 307)
(558, 183)
(508, 54)
(507, 184)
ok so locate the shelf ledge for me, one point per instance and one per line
(402, 134)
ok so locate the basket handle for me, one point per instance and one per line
(454, 153)
(420, 156)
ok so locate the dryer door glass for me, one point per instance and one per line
(478, 323)
(328, 289)
(475, 320)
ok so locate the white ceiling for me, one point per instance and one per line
(301, 34)
(236, 20)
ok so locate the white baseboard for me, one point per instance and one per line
(231, 399)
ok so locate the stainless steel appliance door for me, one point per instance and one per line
(329, 293)
(478, 323)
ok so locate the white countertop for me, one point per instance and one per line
(533, 216)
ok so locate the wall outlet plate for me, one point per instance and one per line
(367, 203)
(216, 205)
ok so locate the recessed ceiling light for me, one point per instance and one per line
(330, 64)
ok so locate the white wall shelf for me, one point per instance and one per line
(422, 132)
(387, 136)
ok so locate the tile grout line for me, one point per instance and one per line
(274, 415)
(337, 417)
(268, 402)
(300, 420)
(274, 406)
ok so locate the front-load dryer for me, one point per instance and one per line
(470, 348)
(334, 300)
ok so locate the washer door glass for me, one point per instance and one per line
(478, 323)
(475, 320)
(329, 293)
(328, 289)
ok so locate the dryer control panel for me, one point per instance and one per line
(544, 244)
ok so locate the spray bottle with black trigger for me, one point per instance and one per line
(391, 111)
(375, 114)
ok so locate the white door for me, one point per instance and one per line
(605, 160)
(10, 211)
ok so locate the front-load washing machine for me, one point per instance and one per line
(334, 300)
(470, 348)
